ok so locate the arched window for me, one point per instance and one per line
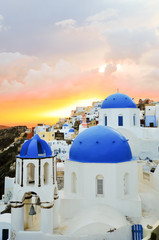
(126, 184)
(18, 173)
(120, 120)
(105, 120)
(30, 173)
(46, 173)
(99, 185)
(134, 119)
(73, 183)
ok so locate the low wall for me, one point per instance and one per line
(147, 232)
(120, 234)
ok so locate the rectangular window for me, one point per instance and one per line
(120, 120)
(105, 120)
(99, 186)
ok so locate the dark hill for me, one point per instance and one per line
(3, 127)
(11, 140)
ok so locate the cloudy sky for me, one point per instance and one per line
(55, 55)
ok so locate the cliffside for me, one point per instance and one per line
(11, 140)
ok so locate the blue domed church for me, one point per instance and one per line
(100, 174)
(119, 111)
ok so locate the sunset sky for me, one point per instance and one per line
(56, 55)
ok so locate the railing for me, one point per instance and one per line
(137, 232)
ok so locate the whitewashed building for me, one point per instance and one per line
(60, 148)
(65, 130)
(152, 115)
(120, 112)
(40, 128)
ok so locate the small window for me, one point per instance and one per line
(120, 120)
(99, 185)
(134, 120)
(105, 120)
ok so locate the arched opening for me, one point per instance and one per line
(46, 173)
(99, 185)
(18, 173)
(120, 120)
(126, 184)
(30, 173)
(74, 183)
(32, 212)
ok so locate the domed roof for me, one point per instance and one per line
(71, 130)
(35, 148)
(65, 125)
(118, 100)
(100, 144)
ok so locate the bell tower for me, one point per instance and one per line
(35, 194)
(84, 121)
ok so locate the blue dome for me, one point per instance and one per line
(100, 144)
(35, 148)
(71, 130)
(65, 125)
(118, 100)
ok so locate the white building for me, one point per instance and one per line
(65, 130)
(40, 128)
(100, 189)
(152, 115)
(70, 133)
(60, 148)
(120, 112)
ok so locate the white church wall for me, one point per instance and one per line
(150, 110)
(113, 182)
(8, 189)
(113, 113)
(143, 142)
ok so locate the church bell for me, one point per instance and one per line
(32, 210)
